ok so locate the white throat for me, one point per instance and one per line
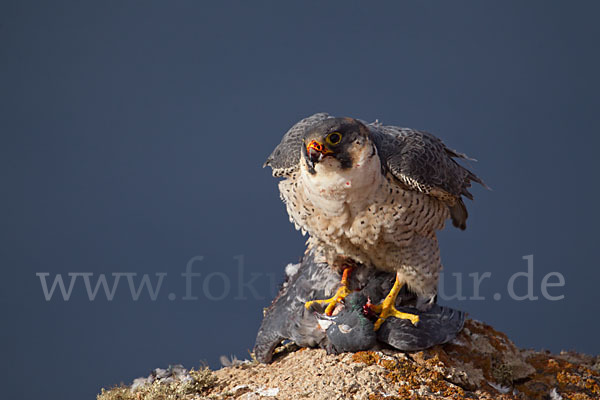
(333, 189)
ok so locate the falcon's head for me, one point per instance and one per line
(343, 139)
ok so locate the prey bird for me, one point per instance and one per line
(372, 194)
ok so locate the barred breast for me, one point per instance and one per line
(370, 218)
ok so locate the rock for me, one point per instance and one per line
(480, 363)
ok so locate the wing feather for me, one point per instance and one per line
(422, 162)
(418, 159)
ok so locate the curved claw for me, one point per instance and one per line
(388, 309)
(331, 302)
(339, 295)
(391, 311)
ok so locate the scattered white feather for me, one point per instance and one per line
(271, 392)
(231, 361)
(500, 388)
(140, 382)
(239, 387)
(291, 269)
(554, 395)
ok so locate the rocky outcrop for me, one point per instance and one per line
(480, 363)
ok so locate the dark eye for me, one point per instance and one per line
(334, 138)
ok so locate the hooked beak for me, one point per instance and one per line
(316, 151)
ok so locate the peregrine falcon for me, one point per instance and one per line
(375, 195)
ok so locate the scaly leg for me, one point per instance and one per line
(339, 295)
(388, 309)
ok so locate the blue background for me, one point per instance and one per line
(133, 135)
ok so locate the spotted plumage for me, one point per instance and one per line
(373, 193)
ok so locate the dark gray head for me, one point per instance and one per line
(340, 138)
(350, 330)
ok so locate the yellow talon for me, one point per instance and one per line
(392, 312)
(388, 309)
(339, 295)
(331, 302)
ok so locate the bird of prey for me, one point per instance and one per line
(375, 195)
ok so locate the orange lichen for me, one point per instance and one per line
(474, 366)
(365, 357)
(572, 381)
(478, 360)
(374, 396)
(409, 375)
(498, 340)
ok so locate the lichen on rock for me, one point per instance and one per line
(480, 363)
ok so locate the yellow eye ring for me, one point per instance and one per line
(333, 138)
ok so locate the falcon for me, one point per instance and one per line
(372, 194)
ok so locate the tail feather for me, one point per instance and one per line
(459, 214)
(458, 211)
